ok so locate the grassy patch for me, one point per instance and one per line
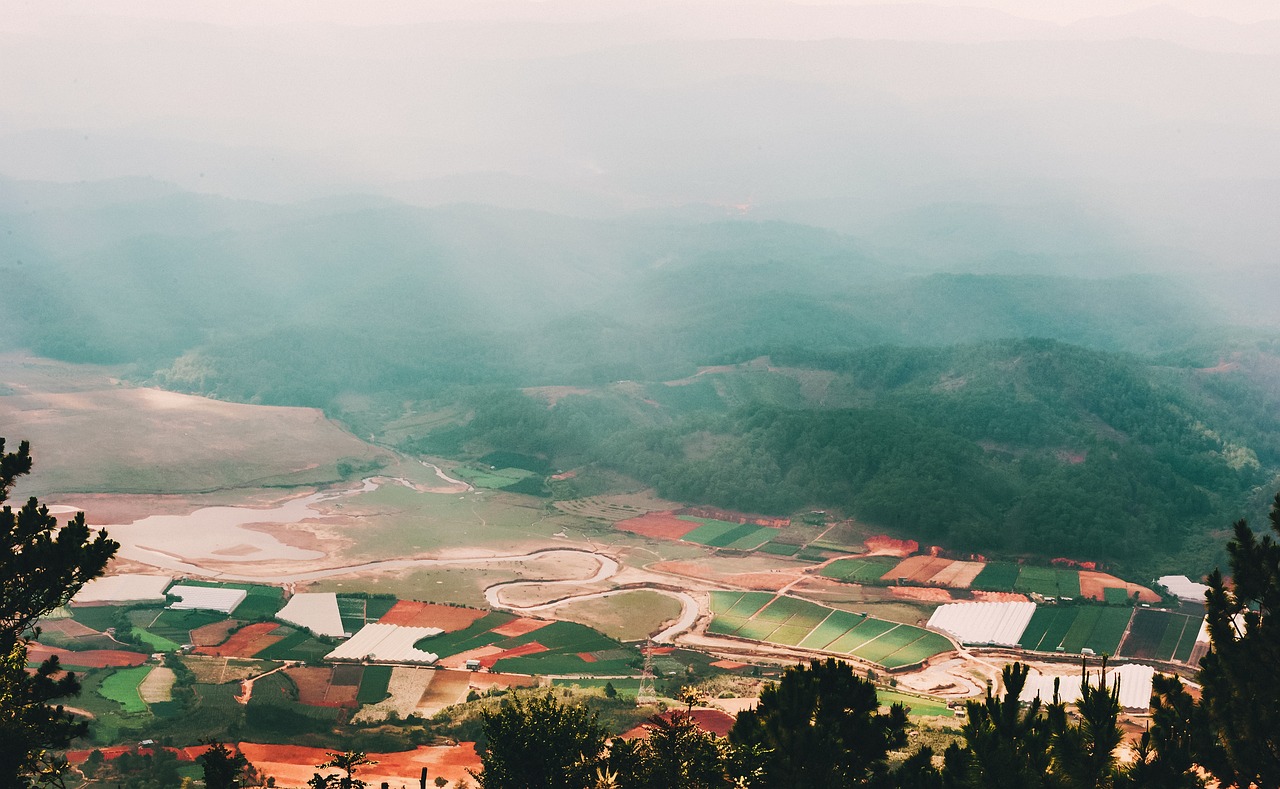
(1048, 581)
(122, 687)
(373, 684)
(779, 549)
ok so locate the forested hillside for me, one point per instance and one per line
(1020, 412)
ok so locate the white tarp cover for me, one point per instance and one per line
(1135, 685)
(315, 611)
(386, 644)
(124, 589)
(983, 623)
(207, 598)
(1183, 588)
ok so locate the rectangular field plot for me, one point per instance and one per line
(1188, 641)
(122, 687)
(779, 549)
(1161, 635)
(926, 646)
(791, 635)
(1048, 581)
(1106, 635)
(758, 536)
(723, 601)
(757, 630)
(795, 612)
(835, 625)
(997, 577)
(1036, 636)
(867, 630)
(749, 603)
(887, 643)
(863, 570)
(726, 625)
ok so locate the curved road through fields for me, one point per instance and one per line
(608, 567)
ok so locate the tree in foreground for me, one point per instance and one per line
(223, 768)
(1241, 690)
(349, 762)
(535, 742)
(41, 568)
(820, 727)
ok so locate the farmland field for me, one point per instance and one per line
(628, 617)
(866, 570)
(1048, 581)
(122, 687)
(1076, 627)
(723, 534)
(1161, 635)
(779, 549)
(997, 577)
(373, 684)
(795, 622)
(262, 602)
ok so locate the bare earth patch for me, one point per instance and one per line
(1094, 585)
(411, 613)
(882, 545)
(926, 594)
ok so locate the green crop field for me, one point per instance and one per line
(373, 684)
(757, 630)
(928, 645)
(177, 625)
(478, 634)
(867, 630)
(1115, 596)
(98, 617)
(779, 549)
(709, 530)
(866, 570)
(297, 645)
(1075, 628)
(1047, 581)
(122, 687)
(262, 602)
(750, 540)
(1106, 635)
(917, 706)
(749, 603)
(835, 625)
(996, 577)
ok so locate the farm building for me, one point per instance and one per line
(1183, 588)
(207, 598)
(379, 643)
(128, 588)
(315, 611)
(1134, 679)
(1000, 624)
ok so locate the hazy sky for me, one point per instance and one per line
(1165, 116)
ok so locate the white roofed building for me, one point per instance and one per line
(379, 643)
(1183, 588)
(207, 598)
(999, 624)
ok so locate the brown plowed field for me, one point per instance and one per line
(93, 658)
(347, 674)
(411, 613)
(341, 696)
(999, 597)
(1093, 584)
(213, 634)
(917, 569)
(446, 689)
(659, 525)
(928, 595)
(245, 642)
(313, 684)
(519, 627)
(460, 660)
(293, 765)
(959, 575)
(67, 627)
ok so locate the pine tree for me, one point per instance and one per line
(41, 568)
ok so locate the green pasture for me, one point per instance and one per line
(1116, 596)
(860, 570)
(98, 617)
(996, 577)
(629, 616)
(122, 687)
(1047, 581)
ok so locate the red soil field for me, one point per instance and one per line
(728, 665)
(586, 657)
(411, 613)
(531, 648)
(313, 684)
(716, 722)
(917, 569)
(659, 525)
(929, 595)
(341, 696)
(1093, 584)
(293, 765)
(116, 751)
(245, 642)
(883, 545)
(519, 627)
(93, 658)
(213, 634)
(728, 516)
(765, 582)
(999, 597)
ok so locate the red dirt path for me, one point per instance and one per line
(659, 525)
(411, 613)
(92, 658)
(999, 597)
